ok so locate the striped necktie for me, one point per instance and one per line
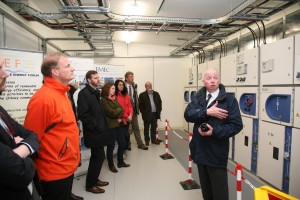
(208, 98)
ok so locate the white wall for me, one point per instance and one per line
(167, 77)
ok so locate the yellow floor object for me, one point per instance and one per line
(268, 193)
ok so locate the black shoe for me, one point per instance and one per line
(143, 147)
(113, 169)
(74, 197)
(123, 165)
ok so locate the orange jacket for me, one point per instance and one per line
(50, 115)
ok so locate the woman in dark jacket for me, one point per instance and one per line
(113, 114)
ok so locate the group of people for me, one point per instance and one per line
(41, 157)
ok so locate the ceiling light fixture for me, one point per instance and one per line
(128, 36)
(84, 9)
(95, 34)
(134, 8)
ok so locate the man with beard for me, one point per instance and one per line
(95, 131)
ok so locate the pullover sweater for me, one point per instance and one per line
(50, 116)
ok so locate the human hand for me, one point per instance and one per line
(22, 151)
(207, 133)
(129, 118)
(18, 139)
(217, 112)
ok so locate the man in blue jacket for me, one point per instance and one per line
(217, 118)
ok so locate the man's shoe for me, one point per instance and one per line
(113, 169)
(143, 147)
(129, 148)
(74, 197)
(95, 190)
(147, 143)
(102, 183)
(155, 142)
(123, 165)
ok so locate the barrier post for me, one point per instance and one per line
(166, 156)
(238, 171)
(190, 183)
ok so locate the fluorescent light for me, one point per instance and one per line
(95, 34)
(84, 9)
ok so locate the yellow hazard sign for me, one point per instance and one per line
(297, 115)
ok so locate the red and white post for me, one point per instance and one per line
(190, 183)
(238, 171)
(166, 155)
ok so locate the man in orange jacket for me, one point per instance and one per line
(50, 115)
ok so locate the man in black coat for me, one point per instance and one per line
(95, 131)
(150, 105)
(217, 117)
(17, 144)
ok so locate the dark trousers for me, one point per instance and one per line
(118, 135)
(153, 123)
(95, 165)
(58, 189)
(213, 182)
(125, 130)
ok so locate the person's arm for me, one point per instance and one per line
(196, 111)
(15, 172)
(40, 116)
(233, 125)
(110, 111)
(159, 105)
(84, 112)
(129, 108)
(142, 102)
(26, 140)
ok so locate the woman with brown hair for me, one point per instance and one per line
(113, 114)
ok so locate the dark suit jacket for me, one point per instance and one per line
(15, 172)
(145, 105)
(91, 114)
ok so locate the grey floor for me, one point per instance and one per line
(149, 177)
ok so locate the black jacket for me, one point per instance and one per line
(91, 114)
(145, 105)
(15, 172)
(213, 150)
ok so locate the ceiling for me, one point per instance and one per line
(94, 26)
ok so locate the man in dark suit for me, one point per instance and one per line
(17, 144)
(150, 105)
(95, 131)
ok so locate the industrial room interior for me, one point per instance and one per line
(254, 44)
